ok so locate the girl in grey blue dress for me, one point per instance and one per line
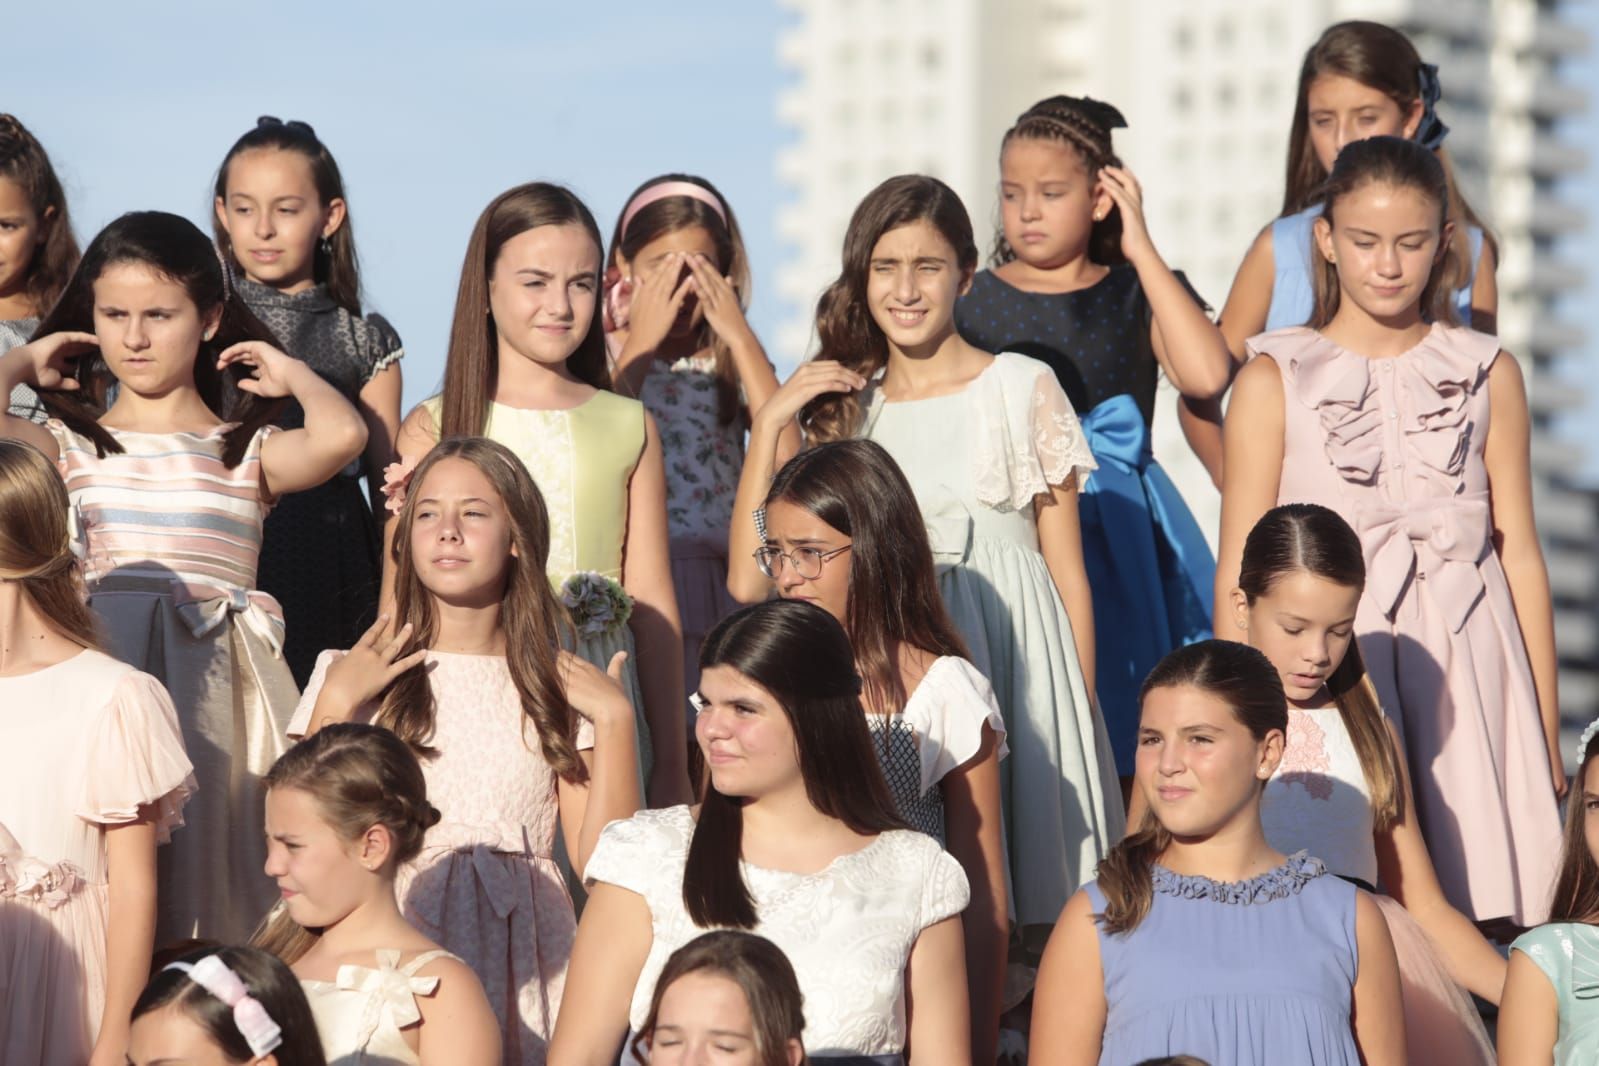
(1197, 937)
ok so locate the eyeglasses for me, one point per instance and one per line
(807, 562)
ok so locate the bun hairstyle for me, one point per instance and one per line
(174, 248)
(1308, 538)
(1398, 163)
(801, 655)
(844, 321)
(1576, 892)
(359, 776)
(670, 214)
(335, 264)
(472, 363)
(1083, 124)
(1240, 677)
(1381, 58)
(762, 973)
(267, 980)
(24, 161)
(36, 542)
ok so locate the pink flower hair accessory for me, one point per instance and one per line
(254, 1023)
(396, 482)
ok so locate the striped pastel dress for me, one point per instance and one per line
(169, 538)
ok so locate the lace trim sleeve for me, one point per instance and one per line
(1028, 437)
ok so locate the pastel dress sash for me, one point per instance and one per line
(1149, 566)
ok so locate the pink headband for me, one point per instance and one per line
(254, 1023)
(666, 189)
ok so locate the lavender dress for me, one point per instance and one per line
(1249, 973)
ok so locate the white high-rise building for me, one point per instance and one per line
(883, 87)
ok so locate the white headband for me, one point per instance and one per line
(254, 1023)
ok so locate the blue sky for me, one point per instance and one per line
(430, 116)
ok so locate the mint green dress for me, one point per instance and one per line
(1568, 954)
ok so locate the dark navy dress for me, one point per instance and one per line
(1149, 567)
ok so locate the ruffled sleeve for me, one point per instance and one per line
(947, 712)
(945, 891)
(382, 347)
(66, 440)
(1027, 436)
(644, 853)
(136, 759)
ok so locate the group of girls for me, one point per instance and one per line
(911, 771)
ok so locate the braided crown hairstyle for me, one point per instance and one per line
(1084, 125)
(24, 161)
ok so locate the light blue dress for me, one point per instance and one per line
(1248, 973)
(976, 459)
(1292, 297)
(1568, 954)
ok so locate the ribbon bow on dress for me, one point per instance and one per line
(389, 990)
(34, 880)
(1442, 541)
(205, 607)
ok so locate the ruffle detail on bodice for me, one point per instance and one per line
(1297, 871)
(32, 880)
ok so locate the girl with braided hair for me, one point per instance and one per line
(1076, 281)
(37, 249)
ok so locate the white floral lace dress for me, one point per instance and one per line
(976, 459)
(847, 929)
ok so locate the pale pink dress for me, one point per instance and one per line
(87, 743)
(1396, 446)
(486, 886)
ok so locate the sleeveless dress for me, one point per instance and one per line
(938, 730)
(975, 460)
(582, 460)
(703, 458)
(1568, 954)
(24, 402)
(1292, 297)
(320, 550)
(88, 742)
(1150, 569)
(1318, 800)
(360, 1013)
(486, 885)
(847, 929)
(1396, 447)
(170, 537)
(1248, 973)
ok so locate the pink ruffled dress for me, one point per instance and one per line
(88, 742)
(1396, 446)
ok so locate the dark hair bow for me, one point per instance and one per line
(293, 124)
(1431, 132)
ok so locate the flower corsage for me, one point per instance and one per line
(396, 481)
(598, 605)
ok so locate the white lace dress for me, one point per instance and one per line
(976, 459)
(848, 929)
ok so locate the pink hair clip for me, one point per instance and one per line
(396, 481)
(254, 1023)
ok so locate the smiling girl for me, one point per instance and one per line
(1418, 431)
(163, 435)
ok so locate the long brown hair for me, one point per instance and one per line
(334, 262)
(174, 248)
(844, 322)
(36, 543)
(532, 618)
(856, 487)
(762, 973)
(1398, 163)
(1084, 125)
(359, 776)
(24, 161)
(1308, 538)
(1576, 893)
(669, 215)
(472, 364)
(802, 656)
(1381, 58)
(1240, 677)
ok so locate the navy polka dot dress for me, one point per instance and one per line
(1149, 567)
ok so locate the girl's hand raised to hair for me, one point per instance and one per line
(1120, 185)
(657, 300)
(596, 695)
(811, 380)
(362, 674)
(719, 299)
(272, 373)
(48, 360)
